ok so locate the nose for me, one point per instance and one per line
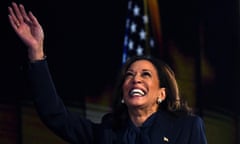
(137, 78)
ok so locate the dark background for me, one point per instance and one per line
(83, 42)
(84, 39)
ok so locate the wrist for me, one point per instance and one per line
(33, 60)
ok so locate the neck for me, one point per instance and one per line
(139, 116)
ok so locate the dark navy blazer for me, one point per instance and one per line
(76, 129)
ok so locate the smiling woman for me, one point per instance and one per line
(142, 92)
(153, 111)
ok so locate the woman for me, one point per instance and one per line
(148, 108)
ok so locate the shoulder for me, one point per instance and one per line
(193, 119)
(181, 119)
(190, 121)
(193, 127)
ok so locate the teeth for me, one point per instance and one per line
(137, 92)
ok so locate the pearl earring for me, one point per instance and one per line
(122, 101)
(159, 100)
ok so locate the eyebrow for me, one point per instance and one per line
(146, 70)
(130, 70)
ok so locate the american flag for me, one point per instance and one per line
(138, 39)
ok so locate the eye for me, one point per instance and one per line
(129, 74)
(146, 74)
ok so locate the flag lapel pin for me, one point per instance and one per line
(165, 139)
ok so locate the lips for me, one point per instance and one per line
(137, 92)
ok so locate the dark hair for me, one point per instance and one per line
(173, 103)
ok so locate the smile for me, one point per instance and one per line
(137, 92)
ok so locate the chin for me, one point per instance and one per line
(135, 104)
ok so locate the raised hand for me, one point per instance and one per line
(28, 29)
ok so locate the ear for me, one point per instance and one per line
(162, 93)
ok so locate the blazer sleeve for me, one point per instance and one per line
(68, 125)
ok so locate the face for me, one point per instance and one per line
(141, 86)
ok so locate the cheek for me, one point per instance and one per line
(153, 87)
(125, 88)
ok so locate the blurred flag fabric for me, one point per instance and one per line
(143, 30)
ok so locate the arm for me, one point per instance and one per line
(50, 107)
(70, 126)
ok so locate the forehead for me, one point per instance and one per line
(142, 65)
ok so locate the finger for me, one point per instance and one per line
(13, 23)
(24, 14)
(17, 12)
(12, 17)
(33, 18)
